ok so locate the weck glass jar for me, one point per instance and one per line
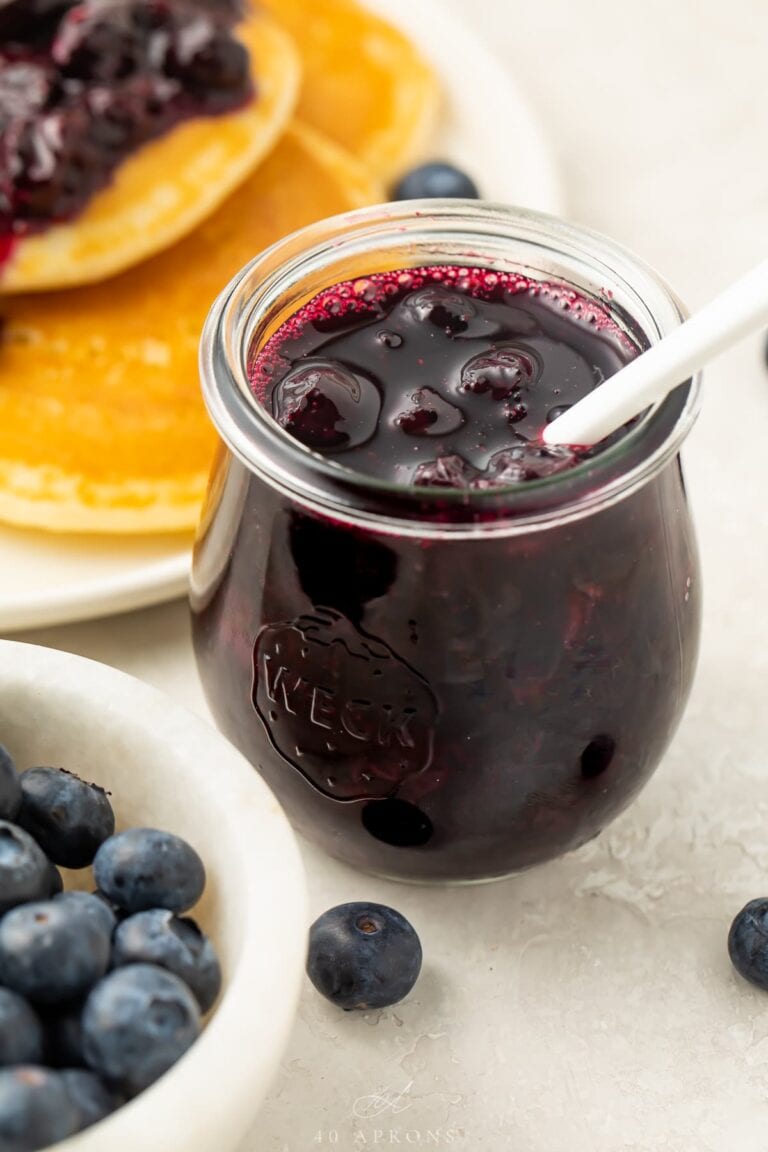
(443, 686)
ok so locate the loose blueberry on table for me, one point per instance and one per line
(363, 956)
(84, 84)
(100, 993)
(748, 942)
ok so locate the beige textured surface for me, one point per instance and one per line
(589, 1006)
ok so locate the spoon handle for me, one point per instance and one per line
(740, 309)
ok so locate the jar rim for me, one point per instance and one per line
(277, 279)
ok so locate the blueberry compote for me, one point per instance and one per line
(84, 84)
(449, 652)
(439, 376)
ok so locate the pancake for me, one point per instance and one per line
(364, 84)
(102, 423)
(163, 191)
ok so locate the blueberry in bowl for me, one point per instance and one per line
(101, 1044)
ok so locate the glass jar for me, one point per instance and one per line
(452, 691)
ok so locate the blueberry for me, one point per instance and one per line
(516, 411)
(68, 818)
(325, 405)
(597, 757)
(446, 309)
(445, 472)
(24, 868)
(144, 868)
(99, 911)
(525, 461)
(10, 786)
(64, 1034)
(100, 43)
(501, 372)
(220, 64)
(35, 1109)
(397, 822)
(431, 415)
(21, 1033)
(52, 951)
(137, 1022)
(435, 180)
(748, 942)
(31, 20)
(159, 937)
(363, 956)
(91, 1096)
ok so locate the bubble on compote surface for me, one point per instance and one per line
(389, 339)
(325, 405)
(451, 311)
(556, 412)
(430, 415)
(502, 372)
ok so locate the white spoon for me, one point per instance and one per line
(739, 310)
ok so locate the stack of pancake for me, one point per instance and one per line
(102, 425)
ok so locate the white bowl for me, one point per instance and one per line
(168, 769)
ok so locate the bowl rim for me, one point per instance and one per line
(210, 1097)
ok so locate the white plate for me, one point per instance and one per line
(488, 128)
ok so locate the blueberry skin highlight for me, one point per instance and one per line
(748, 942)
(10, 786)
(178, 945)
(436, 180)
(144, 868)
(35, 1109)
(50, 952)
(68, 818)
(137, 1022)
(21, 1034)
(91, 1096)
(90, 906)
(25, 871)
(363, 956)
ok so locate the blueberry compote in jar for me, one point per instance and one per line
(451, 651)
